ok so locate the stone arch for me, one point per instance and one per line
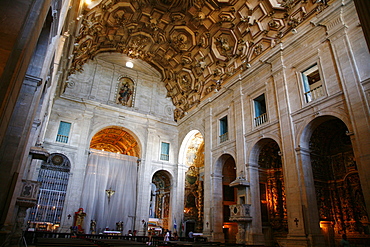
(305, 130)
(256, 148)
(185, 144)
(160, 199)
(268, 188)
(116, 139)
(220, 162)
(329, 164)
(223, 174)
(192, 157)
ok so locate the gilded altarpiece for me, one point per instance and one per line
(162, 196)
(272, 189)
(338, 190)
(194, 196)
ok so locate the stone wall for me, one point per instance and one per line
(88, 102)
(332, 40)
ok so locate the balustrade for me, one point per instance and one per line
(314, 93)
(260, 119)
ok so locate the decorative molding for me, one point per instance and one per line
(29, 192)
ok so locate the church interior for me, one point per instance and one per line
(235, 121)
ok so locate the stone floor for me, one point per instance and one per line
(78, 242)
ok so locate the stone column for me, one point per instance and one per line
(208, 203)
(309, 207)
(254, 234)
(216, 209)
(296, 220)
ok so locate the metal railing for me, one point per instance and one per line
(260, 119)
(224, 137)
(314, 93)
(62, 138)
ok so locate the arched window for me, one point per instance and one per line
(53, 177)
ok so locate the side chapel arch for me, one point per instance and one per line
(265, 156)
(229, 195)
(192, 156)
(160, 199)
(328, 156)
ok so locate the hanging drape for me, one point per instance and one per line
(106, 171)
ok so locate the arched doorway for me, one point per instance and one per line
(192, 156)
(53, 177)
(110, 183)
(272, 192)
(194, 182)
(339, 196)
(159, 210)
(229, 197)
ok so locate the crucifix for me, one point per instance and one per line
(110, 193)
(296, 221)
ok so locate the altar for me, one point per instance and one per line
(113, 233)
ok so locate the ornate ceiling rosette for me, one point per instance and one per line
(196, 45)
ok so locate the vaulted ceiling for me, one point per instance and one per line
(196, 45)
(115, 140)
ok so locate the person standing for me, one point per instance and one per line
(167, 236)
(344, 242)
(191, 236)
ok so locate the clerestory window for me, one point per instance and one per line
(312, 84)
(224, 132)
(63, 132)
(260, 113)
(165, 151)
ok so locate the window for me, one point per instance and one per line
(53, 177)
(260, 114)
(224, 136)
(312, 86)
(165, 151)
(63, 132)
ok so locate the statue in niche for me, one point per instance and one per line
(125, 91)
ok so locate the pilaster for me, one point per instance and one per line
(254, 234)
(292, 177)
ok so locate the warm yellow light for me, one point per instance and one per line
(88, 2)
(129, 64)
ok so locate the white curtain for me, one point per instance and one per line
(106, 171)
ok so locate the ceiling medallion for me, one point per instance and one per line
(196, 45)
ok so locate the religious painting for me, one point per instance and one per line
(125, 91)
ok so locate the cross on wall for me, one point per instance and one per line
(296, 221)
